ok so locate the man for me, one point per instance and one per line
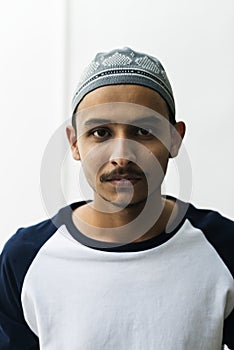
(132, 268)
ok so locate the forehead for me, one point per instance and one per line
(133, 94)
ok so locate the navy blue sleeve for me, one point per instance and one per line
(219, 231)
(228, 333)
(16, 257)
(14, 332)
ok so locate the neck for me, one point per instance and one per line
(114, 214)
(105, 221)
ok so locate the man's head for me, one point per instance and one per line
(124, 110)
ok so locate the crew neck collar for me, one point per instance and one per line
(64, 217)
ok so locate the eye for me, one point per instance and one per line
(100, 133)
(144, 131)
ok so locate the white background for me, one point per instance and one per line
(46, 44)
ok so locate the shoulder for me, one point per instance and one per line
(212, 223)
(21, 249)
(27, 241)
(217, 229)
(29, 238)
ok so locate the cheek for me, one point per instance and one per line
(160, 150)
(92, 160)
(159, 162)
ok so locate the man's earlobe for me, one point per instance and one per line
(72, 139)
(177, 135)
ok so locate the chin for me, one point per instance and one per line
(122, 202)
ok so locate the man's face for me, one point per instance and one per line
(123, 141)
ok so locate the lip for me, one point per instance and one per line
(127, 177)
(124, 181)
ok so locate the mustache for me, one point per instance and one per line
(121, 171)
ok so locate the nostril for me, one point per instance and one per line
(120, 162)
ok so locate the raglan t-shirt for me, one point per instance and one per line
(61, 290)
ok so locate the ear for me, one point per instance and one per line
(71, 135)
(177, 135)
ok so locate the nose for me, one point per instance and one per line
(122, 152)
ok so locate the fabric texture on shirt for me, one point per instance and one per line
(59, 290)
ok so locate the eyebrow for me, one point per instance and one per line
(142, 120)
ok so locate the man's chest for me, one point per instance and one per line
(137, 302)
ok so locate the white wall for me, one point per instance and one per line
(45, 46)
(31, 105)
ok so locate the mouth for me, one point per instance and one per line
(124, 180)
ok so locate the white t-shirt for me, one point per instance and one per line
(61, 290)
